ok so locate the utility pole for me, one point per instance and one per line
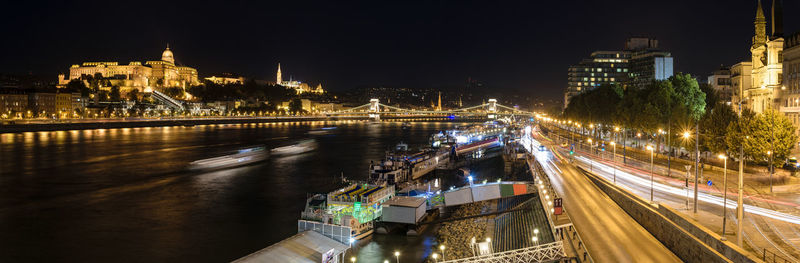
(740, 199)
(696, 160)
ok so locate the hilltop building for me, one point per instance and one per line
(299, 87)
(162, 73)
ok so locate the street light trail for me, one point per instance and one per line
(701, 196)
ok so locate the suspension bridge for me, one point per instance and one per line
(375, 110)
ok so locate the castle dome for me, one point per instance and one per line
(167, 55)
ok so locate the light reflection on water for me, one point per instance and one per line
(125, 194)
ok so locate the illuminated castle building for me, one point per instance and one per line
(135, 75)
(299, 87)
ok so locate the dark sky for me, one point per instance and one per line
(522, 45)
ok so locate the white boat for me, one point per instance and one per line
(323, 131)
(355, 206)
(301, 147)
(239, 158)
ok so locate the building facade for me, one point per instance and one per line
(720, 81)
(740, 81)
(603, 67)
(299, 87)
(640, 63)
(767, 62)
(162, 73)
(790, 93)
(648, 63)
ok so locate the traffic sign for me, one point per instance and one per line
(709, 183)
(557, 206)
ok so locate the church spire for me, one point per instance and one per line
(761, 26)
(279, 80)
(439, 105)
(777, 19)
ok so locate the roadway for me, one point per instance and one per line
(609, 233)
(768, 225)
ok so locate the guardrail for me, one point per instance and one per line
(545, 252)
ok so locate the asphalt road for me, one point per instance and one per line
(610, 234)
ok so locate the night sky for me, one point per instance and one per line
(521, 45)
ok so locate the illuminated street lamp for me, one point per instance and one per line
(650, 148)
(725, 195)
(397, 256)
(353, 259)
(771, 167)
(442, 247)
(435, 257)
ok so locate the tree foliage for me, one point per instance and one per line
(714, 127)
(114, 94)
(296, 105)
(762, 134)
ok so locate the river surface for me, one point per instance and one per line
(126, 195)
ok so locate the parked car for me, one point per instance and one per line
(791, 164)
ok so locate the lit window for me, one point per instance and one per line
(599, 70)
(592, 80)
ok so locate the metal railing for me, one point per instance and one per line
(540, 253)
(770, 256)
(167, 100)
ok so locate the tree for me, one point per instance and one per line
(715, 127)
(133, 95)
(77, 85)
(114, 94)
(759, 135)
(296, 105)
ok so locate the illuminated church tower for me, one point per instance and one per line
(279, 80)
(766, 59)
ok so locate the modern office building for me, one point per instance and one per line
(637, 65)
(648, 63)
(603, 67)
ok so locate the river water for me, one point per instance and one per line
(125, 195)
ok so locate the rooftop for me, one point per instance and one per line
(308, 246)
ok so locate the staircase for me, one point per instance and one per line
(167, 100)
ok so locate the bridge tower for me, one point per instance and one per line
(491, 108)
(374, 109)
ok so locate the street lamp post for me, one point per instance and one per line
(397, 256)
(472, 245)
(614, 144)
(435, 257)
(442, 247)
(725, 195)
(591, 149)
(771, 169)
(650, 148)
